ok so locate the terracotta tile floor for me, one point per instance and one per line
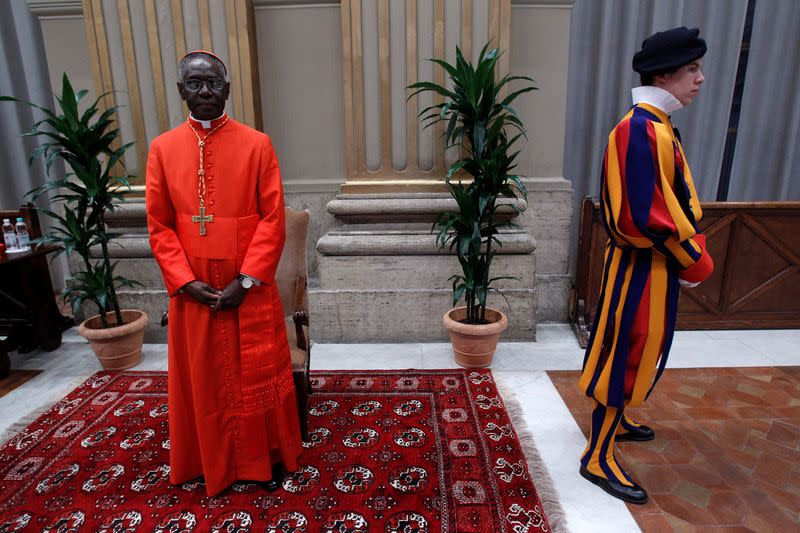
(726, 456)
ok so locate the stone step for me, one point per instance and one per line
(375, 272)
(142, 269)
(403, 207)
(395, 239)
(126, 246)
(367, 316)
(392, 315)
(131, 213)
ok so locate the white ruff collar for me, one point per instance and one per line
(657, 97)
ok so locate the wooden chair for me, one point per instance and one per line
(291, 279)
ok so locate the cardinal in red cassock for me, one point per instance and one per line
(216, 220)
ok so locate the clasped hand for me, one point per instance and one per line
(230, 297)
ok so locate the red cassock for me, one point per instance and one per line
(232, 410)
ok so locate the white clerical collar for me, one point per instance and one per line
(657, 97)
(206, 123)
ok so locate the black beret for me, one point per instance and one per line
(666, 51)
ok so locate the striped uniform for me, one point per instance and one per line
(650, 209)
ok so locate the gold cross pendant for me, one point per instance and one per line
(202, 219)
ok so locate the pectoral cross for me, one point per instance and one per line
(202, 219)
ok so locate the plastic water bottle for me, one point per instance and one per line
(9, 235)
(23, 239)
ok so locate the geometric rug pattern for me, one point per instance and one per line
(726, 456)
(389, 451)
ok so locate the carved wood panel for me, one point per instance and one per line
(756, 279)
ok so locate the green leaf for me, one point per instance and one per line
(511, 97)
(116, 156)
(484, 200)
(479, 137)
(455, 167)
(519, 185)
(480, 294)
(451, 70)
(428, 86)
(31, 104)
(504, 277)
(451, 126)
(458, 293)
(508, 78)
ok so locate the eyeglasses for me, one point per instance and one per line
(193, 85)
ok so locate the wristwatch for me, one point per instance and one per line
(246, 281)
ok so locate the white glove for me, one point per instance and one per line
(688, 284)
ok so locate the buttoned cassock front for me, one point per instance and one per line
(232, 410)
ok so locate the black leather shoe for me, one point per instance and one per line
(278, 473)
(639, 434)
(634, 494)
(271, 486)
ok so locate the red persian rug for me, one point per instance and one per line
(413, 451)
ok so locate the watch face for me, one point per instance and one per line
(246, 283)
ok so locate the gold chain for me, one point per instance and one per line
(201, 173)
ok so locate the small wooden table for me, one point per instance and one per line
(28, 304)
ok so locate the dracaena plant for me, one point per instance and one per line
(86, 141)
(478, 116)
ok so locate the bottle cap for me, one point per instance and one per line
(19, 219)
(5, 220)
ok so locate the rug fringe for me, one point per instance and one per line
(29, 418)
(545, 487)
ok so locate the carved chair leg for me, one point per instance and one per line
(308, 370)
(300, 379)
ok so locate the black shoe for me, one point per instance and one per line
(639, 434)
(634, 494)
(271, 486)
(278, 474)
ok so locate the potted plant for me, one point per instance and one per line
(480, 119)
(87, 143)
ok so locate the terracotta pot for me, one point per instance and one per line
(117, 347)
(474, 344)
